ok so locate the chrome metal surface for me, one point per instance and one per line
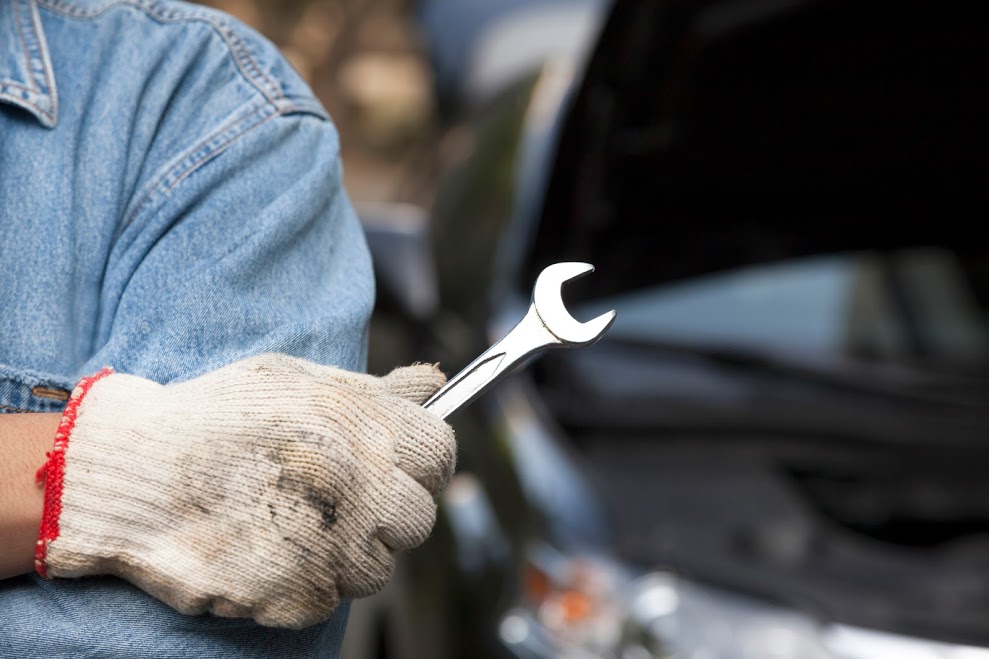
(547, 324)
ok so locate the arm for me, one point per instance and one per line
(272, 488)
(237, 461)
(24, 440)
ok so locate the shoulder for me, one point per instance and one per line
(158, 90)
(204, 50)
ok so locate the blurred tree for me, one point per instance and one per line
(364, 61)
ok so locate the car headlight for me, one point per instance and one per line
(589, 607)
(571, 607)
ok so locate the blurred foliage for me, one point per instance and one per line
(364, 61)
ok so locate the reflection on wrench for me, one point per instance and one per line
(547, 324)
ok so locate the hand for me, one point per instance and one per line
(268, 489)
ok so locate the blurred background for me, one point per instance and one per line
(778, 450)
(366, 62)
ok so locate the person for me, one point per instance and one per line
(201, 464)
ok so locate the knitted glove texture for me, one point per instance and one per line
(268, 489)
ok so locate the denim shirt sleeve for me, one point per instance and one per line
(179, 205)
(257, 249)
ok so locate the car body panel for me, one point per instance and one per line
(789, 413)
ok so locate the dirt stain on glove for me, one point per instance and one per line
(298, 487)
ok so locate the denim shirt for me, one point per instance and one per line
(171, 201)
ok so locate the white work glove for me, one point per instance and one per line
(267, 489)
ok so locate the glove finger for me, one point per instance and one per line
(408, 514)
(415, 383)
(367, 570)
(287, 609)
(425, 447)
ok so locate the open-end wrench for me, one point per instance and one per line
(547, 324)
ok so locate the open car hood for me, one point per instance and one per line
(711, 135)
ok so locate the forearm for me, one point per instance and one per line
(24, 440)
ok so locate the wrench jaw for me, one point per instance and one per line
(548, 303)
(595, 328)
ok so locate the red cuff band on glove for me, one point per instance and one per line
(50, 474)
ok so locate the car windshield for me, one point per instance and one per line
(813, 207)
(922, 306)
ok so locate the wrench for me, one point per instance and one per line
(547, 324)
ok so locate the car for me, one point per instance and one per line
(780, 449)
(475, 47)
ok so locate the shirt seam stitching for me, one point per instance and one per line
(193, 158)
(246, 64)
(32, 53)
(24, 48)
(46, 63)
(11, 83)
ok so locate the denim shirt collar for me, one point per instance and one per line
(26, 76)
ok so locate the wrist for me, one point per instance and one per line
(24, 441)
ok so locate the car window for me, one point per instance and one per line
(919, 303)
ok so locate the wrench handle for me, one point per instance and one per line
(526, 339)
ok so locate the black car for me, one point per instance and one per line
(781, 447)
(477, 46)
